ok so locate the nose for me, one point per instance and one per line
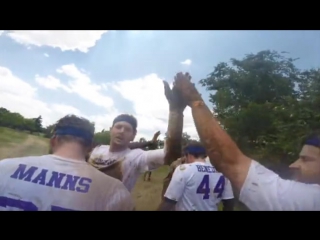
(295, 164)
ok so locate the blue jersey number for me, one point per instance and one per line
(204, 187)
(25, 205)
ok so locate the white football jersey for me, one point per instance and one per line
(135, 161)
(52, 183)
(264, 190)
(198, 187)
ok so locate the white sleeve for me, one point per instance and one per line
(152, 159)
(264, 190)
(227, 192)
(176, 186)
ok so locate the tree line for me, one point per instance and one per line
(34, 126)
(264, 101)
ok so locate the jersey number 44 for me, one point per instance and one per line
(204, 187)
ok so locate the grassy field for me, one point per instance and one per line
(147, 195)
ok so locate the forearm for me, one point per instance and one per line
(174, 137)
(221, 149)
(135, 145)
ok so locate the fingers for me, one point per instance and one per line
(167, 90)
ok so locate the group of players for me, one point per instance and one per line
(76, 177)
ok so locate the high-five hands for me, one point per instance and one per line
(186, 89)
(176, 102)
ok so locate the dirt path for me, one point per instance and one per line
(33, 145)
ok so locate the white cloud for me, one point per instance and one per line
(46, 54)
(146, 94)
(1, 32)
(79, 83)
(150, 104)
(186, 62)
(19, 96)
(65, 40)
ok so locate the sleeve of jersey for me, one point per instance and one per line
(227, 193)
(152, 159)
(264, 190)
(176, 186)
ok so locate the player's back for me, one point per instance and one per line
(53, 183)
(204, 187)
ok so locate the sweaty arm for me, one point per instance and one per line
(173, 141)
(264, 190)
(261, 189)
(224, 154)
(174, 191)
(227, 197)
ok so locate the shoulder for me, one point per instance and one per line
(100, 148)
(12, 164)
(176, 163)
(14, 161)
(265, 190)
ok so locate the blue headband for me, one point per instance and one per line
(195, 150)
(125, 118)
(315, 141)
(73, 131)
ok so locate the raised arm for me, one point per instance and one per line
(153, 144)
(222, 151)
(175, 124)
(258, 187)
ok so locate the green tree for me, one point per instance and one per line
(102, 137)
(260, 102)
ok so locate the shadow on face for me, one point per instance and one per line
(122, 133)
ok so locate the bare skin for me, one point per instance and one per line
(142, 145)
(175, 125)
(224, 154)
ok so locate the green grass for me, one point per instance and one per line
(9, 136)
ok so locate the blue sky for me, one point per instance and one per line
(99, 74)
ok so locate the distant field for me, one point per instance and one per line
(13, 143)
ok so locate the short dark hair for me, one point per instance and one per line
(312, 139)
(77, 122)
(127, 118)
(194, 144)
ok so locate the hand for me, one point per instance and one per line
(189, 93)
(155, 137)
(176, 102)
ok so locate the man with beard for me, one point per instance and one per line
(255, 185)
(62, 181)
(125, 164)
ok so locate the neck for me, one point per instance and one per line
(117, 148)
(199, 160)
(71, 151)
